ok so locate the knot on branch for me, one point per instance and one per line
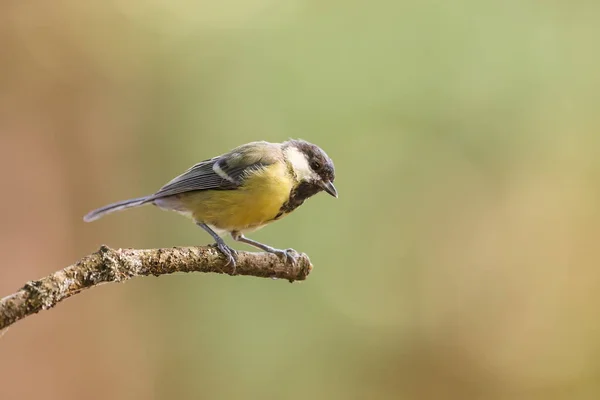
(112, 268)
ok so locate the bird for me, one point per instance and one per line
(242, 190)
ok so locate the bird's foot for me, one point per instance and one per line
(290, 256)
(230, 255)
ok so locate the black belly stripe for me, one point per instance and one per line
(297, 196)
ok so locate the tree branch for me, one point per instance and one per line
(109, 265)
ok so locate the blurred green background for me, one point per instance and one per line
(460, 261)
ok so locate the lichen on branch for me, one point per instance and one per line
(109, 265)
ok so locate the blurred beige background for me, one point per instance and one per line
(461, 260)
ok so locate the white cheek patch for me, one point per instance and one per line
(300, 164)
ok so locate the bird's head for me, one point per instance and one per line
(311, 165)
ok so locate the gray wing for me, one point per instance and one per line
(225, 172)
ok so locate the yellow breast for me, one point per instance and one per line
(252, 205)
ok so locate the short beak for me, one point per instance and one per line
(329, 188)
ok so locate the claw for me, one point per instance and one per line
(230, 254)
(290, 256)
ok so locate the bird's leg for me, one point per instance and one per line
(227, 251)
(290, 255)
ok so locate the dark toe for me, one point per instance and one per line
(229, 254)
(289, 255)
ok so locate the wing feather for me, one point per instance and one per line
(228, 174)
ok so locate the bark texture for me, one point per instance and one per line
(109, 265)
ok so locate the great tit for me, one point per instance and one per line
(242, 190)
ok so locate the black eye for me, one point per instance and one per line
(315, 165)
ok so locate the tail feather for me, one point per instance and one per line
(118, 206)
